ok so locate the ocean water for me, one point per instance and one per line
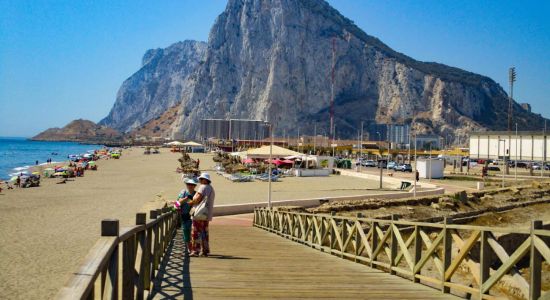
(18, 154)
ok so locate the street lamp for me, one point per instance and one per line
(516, 160)
(269, 168)
(503, 149)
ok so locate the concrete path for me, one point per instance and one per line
(249, 263)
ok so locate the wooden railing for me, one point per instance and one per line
(469, 261)
(131, 253)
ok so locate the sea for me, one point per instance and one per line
(18, 154)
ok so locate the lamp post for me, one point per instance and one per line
(516, 160)
(415, 166)
(270, 162)
(504, 152)
(430, 163)
(361, 146)
(544, 150)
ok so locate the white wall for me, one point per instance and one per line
(528, 147)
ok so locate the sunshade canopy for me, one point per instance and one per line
(175, 143)
(192, 144)
(263, 152)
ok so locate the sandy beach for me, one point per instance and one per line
(46, 231)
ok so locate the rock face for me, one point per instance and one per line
(80, 131)
(162, 82)
(272, 60)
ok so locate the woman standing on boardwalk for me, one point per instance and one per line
(184, 199)
(199, 233)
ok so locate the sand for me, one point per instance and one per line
(45, 232)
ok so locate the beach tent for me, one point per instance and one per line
(248, 161)
(194, 146)
(263, 152)
(175, 144)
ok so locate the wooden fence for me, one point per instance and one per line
(130, 253)
(469, 261)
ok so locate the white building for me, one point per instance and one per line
(430, 168)
(526, 146)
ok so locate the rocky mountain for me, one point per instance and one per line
(272, 60)
(165, 78)
(80, 131)
(159, 126)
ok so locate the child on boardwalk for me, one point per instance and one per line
(185, 208)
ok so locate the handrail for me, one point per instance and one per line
(141, 247)
(460, 259)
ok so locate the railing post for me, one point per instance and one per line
(148, 274)
(141, 219)
(535, 264)
(110, 227)
(357, 235)
(332, 235)
(374, 242)
(484, 260)
(393, 246)
(417, 251)
(447, 252)
(344, 224)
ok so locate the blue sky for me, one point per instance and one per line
(62, 60)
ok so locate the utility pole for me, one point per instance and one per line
(415, 166)
(270, 163)
(544, 151)
(314, 139)
(333, 78)
(361, 145)
(511, 79)
(516, 160)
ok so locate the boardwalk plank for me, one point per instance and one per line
(249, 263)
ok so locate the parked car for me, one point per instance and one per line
(391, 165)
(404, 168)
(493, 168)
(368, 163)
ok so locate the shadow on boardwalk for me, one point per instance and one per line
(174, 280)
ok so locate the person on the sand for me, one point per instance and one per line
(184, 198)
(199, 233)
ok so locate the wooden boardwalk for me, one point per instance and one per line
(250, 263)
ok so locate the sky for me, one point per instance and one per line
(62, 60)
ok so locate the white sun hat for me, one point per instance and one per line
(205, 176)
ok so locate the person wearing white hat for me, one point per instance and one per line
(184, 199)
(199, 233)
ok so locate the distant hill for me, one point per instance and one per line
(80, 131)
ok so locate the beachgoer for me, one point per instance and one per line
(36, 163)
(186, 196)
(417, 176)
(198, 163)
(199, 233)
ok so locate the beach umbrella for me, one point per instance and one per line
(287, 161)
(248, 161)
(14, 178)
(36, 173)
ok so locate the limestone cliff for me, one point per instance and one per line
(162, 82)
(272, 60)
